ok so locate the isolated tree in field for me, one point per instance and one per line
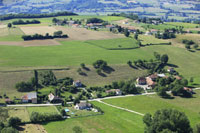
(9, 25)
(136, 36)
(169, 120)
(164, 59)
(126, 33)
(196, 46)
(82, 65)
(187, 46)
(129, 63)
(191, 80)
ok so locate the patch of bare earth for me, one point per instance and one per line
(83, 34)
(33, 128)
(48, 42)
(31, 30)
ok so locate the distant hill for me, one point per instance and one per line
(169, 9)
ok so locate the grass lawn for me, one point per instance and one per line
(114, 44)
(114, 120)
(20, 112)
(49, 109)
(151, 103)
(72, 53)
(151, 39)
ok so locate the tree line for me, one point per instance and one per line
(22, 22)
(57, 34)
(44, 15)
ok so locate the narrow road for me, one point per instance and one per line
(121, 108)
(33, 105)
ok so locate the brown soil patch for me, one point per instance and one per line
(31, 30)
(83, 34)
(33, 128)
(31, 43)
(3, 26)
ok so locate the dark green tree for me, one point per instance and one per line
(170, 120)
(14, 121)
(9, 25)
(164, 59)
(126, 33)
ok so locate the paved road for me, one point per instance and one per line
(33, 105)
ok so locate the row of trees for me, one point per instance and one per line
(39, 117)
(15, 16)
(57, 34)
(22, 22)
(165, 35)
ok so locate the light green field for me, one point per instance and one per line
(72, 53)
(20, 112)
(151, 39)
(185, 25)
(114, 120)
(11, 34)
(46, 21)
(151, 103)
(46, 110)
(114, 44)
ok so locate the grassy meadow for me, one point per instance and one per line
(46, 110)
(151, 103)
(115, 44)
(114, 120)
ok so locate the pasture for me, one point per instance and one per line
(72, 53)
(29, 30)
(115, 44)
(148, 39)
(83, 34)
(151, 103)
(113, 120)
(20, 112)
(45, 110)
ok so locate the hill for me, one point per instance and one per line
(173, 9)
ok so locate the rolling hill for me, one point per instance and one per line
(167, 9)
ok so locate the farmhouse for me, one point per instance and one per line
(94, 25)
(8, 101)
(171, 70)
(75, 25)
(153, 77)
(148, 33)
(54, 99)
(132, 29)
(30, 98)
(154, 31)
(150, 82)
(141, 81)
(116, 91)
(83, 105)
(77, 83)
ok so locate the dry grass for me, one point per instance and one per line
(121, 72)
(10, 31)
(33, 128)
(49, 42)
(84, 34)
(178, 40)
(31, 30)
(20, 112)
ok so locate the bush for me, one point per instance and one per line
(39, 117)
(100, 64)
(24, 86)
(14, 121)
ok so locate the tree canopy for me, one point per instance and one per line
(169, 120)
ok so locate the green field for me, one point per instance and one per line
(72, 53)
(151, 39)
(49, 109)
(115, 44)
(151, 103)
(113, 120)
(47, 21)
